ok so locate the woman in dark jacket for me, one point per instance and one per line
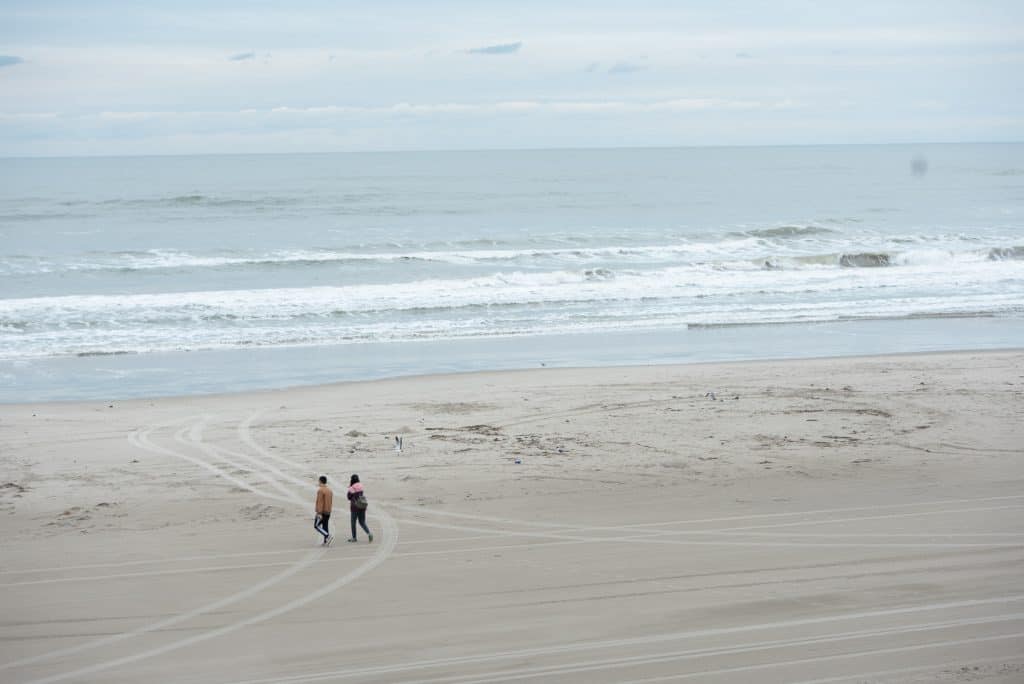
(357, 507)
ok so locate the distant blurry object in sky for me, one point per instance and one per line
(919, 166)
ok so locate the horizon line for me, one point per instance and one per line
(573, 148)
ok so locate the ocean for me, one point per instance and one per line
(142, 276)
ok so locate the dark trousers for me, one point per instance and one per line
(321, 524)
(361, 517)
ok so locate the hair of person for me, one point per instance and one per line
(355, 478)
(323, 479)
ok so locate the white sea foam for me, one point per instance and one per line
(504, 303)
(615, 318)
(516, 287)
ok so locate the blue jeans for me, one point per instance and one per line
(361, 517)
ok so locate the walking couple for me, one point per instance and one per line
(356, 505)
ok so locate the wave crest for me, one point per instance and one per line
(865, 260)
(1014, 253)
(787, 231)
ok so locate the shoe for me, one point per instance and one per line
(371, 538)
(352, 539)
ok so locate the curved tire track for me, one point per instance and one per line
(141, 439)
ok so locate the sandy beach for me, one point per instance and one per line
(833, 520)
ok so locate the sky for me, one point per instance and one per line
(183, 77)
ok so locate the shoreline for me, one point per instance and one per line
(469, 374)
(122, 377)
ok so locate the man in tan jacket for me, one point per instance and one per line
(324, 502)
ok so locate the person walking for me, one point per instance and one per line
(357, 507)
(324, 503)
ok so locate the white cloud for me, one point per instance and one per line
(123, 117)
(29, 116)
(528, 106)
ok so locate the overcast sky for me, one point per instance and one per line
(179, 76)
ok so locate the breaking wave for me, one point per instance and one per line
(786, 232)
(515, 302)
(865, 260)
(772, 248)
(1004, 253)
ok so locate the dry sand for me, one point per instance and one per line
(826, 520)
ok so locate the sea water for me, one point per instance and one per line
(165, 275)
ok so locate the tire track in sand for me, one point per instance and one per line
(140, 439)
(603, 645)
